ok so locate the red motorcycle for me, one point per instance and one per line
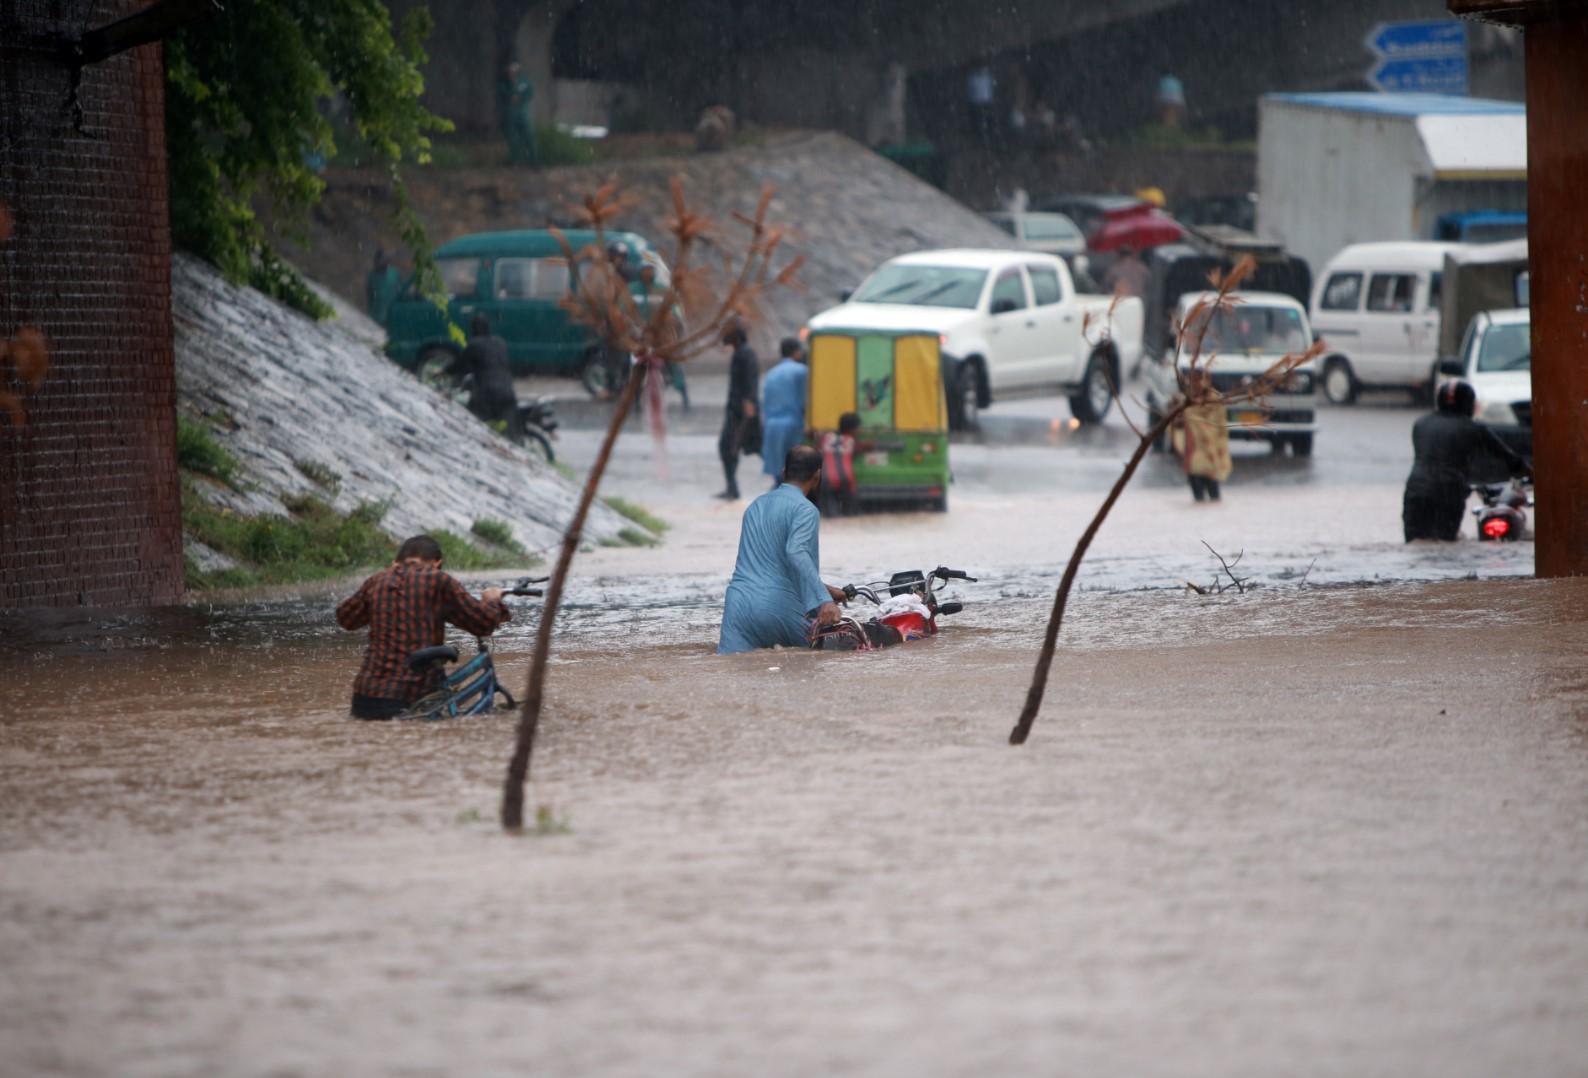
(907, 608)
(1500, 517)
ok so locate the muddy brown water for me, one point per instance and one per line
(1298, 831)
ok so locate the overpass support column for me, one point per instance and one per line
(1557, 224)
(1557, 215)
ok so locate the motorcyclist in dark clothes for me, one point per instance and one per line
(739, 417)
(1446, 441)
(485, 359)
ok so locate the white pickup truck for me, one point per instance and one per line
(1011, 323)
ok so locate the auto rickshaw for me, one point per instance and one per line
(894, 383)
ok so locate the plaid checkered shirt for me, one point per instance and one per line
(407, 608)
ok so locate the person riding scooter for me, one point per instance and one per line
(1446, 442)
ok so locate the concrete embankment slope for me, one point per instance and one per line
(849, 209)
(291, 398)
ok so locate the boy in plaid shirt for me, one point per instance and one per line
(406, 607)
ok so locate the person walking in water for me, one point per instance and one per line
(1202, 438)
(407, 606)
(783, 408)
(739, 416)
(777, 593)
(1446, 443)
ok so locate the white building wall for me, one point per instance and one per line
(1328, 178)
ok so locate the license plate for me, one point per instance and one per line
(1248, 419)
(877, 460)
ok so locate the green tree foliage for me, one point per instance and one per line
(249, 98)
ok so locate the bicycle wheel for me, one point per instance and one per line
(437, 705)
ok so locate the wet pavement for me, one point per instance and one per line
(1325, 826)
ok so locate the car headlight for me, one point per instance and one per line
(1300, 382)
(1499, 413)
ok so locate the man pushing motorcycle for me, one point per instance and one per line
(1446, 442)
(777, 590)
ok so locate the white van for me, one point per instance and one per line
(1243, 342)
(1377, 307)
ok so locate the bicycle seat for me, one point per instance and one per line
(425, 656)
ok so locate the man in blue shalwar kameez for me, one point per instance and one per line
(776, 591)
(783, 408)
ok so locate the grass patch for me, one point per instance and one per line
(565, 471)
(216, 579)
(319, 475)
(312, 542)
(638, 514)
(460, 555)
(632, 537)
(198, 450)
(554, 146)
(497, 533)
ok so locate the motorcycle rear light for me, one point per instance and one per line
(1496, 528)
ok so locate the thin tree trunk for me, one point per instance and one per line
(529, 717)
(1039, 677)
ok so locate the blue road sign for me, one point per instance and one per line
(1420, 39)
(1446, 76)
(1425, 56)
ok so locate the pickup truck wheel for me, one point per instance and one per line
(1091, 404)
(967, 396)
(1339, 384)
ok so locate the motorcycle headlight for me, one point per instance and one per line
(1498, 412)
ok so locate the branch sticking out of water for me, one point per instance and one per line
(601, 299)
(1196, 389)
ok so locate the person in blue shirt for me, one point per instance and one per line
(783, 408)
(777, 593)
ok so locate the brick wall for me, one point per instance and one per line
(90, 509)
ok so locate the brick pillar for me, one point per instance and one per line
(90, 510)
(1557, 215)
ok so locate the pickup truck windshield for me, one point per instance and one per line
(923, 286)
(1507, 348)
(1249, 328)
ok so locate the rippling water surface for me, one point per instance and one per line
(1301, 830)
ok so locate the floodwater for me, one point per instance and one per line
(1302, 830)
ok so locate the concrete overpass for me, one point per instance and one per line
(821, 63)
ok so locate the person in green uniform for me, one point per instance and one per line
(514, 93)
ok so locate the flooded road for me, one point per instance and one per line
(1303, 830)
(1337, 824)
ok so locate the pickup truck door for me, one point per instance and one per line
(1013, 335)
(1057, 326)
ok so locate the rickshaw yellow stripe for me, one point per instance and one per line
(918, 403)
(832, 381)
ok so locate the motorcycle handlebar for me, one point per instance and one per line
(944, 573)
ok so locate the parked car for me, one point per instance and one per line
(1496, 357)
(1378, 307)
(1245, 341)
(1050, 233)
(517, 279)
(1009, 321)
